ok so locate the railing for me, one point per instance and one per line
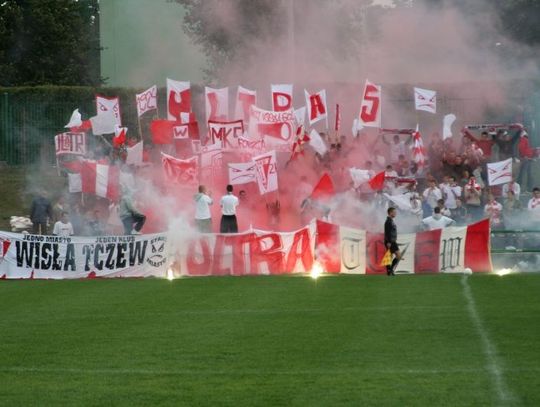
(518, 249)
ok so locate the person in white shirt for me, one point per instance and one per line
(534, 205)
(63, 227)
(451, 191)
(229, 202)
(511, 186)
(397, 148)
(432, 194)
(437, 221)
(203, 218)
(493, 210)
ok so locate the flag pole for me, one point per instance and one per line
(140, 128)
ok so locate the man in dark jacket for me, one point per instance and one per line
(390, 240)
(40, 213)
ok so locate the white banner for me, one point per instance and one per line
(499, 172)
(353, 250)
(425, 100)
(370, 108)
(109, 105)
(266, 169)
(54, 257)
(146, 100)
(282, 97)
(70, 143)
(226, 133)
(242, 173)
(178, 99)
(317, 108)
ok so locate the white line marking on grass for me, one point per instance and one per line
(247, 372)
(493, 364)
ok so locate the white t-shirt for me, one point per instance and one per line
(433, 223)
(534, 204)
(397, 149)
(229, 203)
(432, 196)
(63, 229)
(451, 192)
(202, 206)
(515, 188)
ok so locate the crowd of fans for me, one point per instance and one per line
(450, 189)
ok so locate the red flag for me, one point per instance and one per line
(100, 179)
(162, 131)
(418, 153)
(377, 182)
(324, 188)
(120, 138)
(180, 171)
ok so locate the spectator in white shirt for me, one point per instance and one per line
(437, 221)
(203, 218)
(534, 205)
(229, 202)
(63, 227)
(511, 186)
(451, 191)
(432, 194)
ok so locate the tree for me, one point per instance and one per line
(49, 42)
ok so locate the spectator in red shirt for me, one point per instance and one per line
(526, 154)
(485, 142)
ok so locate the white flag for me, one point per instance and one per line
(359, 176)
(242, 173)
(146, 100)
(75, 183)
(266, 170)
(109, 105)
(75, 120)
(103, 123)
(135, 154)
(370, 108)
(178, 98)
(282, 97)
(448, 120)
(245, 98)
(499, 172)
(317, 108)
(316, 141)
(426, 100)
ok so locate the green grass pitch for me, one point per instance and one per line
(250, 341)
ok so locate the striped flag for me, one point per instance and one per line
(418, 153)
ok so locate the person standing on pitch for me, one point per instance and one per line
(229, 202)
(203, 218)
(390, 240)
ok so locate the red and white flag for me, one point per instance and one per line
(276, 128)
(338, 118)
(370, 108)
(266, 170)
(499, 172)
(227, 133)
(109, 105)
(217, 104)
(418, 152)
(248, 144)
(100, 179)
(180, 171)
(146, 100)
(316, 106)
(178, 98)
(70, 143)
(282, 97)
(242, 173)
(245, 98)
(425, 100)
